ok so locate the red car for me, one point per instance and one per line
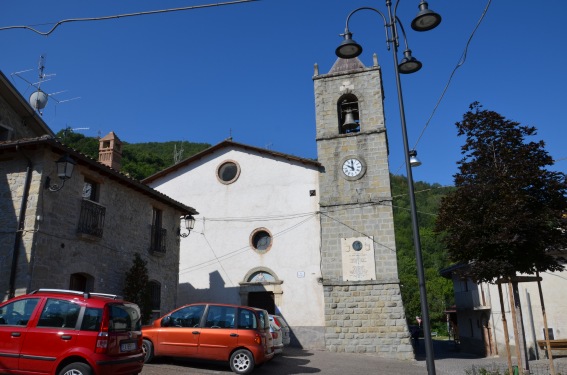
(63, 332)
(239, 335)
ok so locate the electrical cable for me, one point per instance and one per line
(459, 64)
(122, 16)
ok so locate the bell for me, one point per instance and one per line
(349, 123)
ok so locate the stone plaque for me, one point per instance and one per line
(358, 259)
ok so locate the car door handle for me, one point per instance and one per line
(233, 335)
(195, 332)
(16, 334)
(66, 337)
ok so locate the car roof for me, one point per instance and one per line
(95, 299)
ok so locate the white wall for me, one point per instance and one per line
(270, 192)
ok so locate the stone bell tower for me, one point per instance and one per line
(363, 304)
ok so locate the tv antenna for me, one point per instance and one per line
(38, 99)
(177, 155)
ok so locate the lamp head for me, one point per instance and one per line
(414, 161)
(348, 49)
(426, 19)
(65, 166)
(409, 64)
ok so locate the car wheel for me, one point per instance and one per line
(242, 362)
(148, 349)
(76, 368)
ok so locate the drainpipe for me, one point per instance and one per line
(20, 230)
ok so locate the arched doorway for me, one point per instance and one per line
(261, 289)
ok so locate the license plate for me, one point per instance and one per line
(128, 347)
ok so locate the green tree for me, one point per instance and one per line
(506, 215)
(136, 287)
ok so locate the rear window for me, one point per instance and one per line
(124, 318)
(247, 319)
(92, 319)
(264, 319)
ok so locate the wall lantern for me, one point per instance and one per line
(188, 222)
(65, 166)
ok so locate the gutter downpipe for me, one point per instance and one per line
(20, 230)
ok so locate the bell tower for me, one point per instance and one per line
(363, 305)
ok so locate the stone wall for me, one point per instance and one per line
(52, 250)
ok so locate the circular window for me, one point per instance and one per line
(261, 240)
(228, 172)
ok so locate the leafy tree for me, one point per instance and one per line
(505, 216)
(136, 287)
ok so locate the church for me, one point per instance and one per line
(310, 240)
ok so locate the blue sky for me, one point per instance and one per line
(246, 70)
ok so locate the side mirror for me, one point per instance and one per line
(166, 321)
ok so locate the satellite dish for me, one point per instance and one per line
(38, 100)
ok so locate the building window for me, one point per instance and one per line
(91, 219)
(228, 172)
(90, 190)
(261, 240)
(158, 235)
(82, 282)
(5, 133)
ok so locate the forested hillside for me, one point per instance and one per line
(141, 160)
(439, 290)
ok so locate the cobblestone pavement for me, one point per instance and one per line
(295, 361)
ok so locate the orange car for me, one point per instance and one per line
(216, 332)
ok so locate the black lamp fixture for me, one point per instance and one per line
(65, 166)
(426, 20)
(188, 222)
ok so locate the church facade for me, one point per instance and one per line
(310, 240)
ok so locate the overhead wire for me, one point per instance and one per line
(460, 63)
(103, 18)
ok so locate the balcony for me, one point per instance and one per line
(91, 220)
(158, 237)
(469, 300)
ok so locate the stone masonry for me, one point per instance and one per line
(363, 316)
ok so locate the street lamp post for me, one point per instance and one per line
(425, 20)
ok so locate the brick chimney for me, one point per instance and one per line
(110, 151)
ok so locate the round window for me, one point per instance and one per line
(228, 172)
(261, 240)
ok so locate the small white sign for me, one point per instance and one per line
(300, 274)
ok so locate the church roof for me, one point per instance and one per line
(346, 65)
(230, 144)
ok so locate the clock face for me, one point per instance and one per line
(352, 167)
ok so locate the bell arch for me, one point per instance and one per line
(348, 113)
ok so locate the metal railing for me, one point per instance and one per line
(91, 220)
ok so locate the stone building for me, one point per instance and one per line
(334, 278)
(82, 232)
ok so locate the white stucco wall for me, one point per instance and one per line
(271, 193)
(554, 286)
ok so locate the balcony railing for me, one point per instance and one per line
(91, 221)
(158, 240)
